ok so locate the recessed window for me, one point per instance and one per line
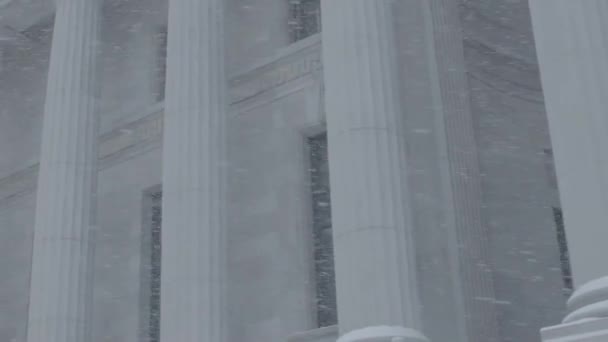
(564, 256)
(161, 62)
(151, 266)
(322, 233)
(304, 18)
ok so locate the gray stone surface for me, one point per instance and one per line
(274, 107)
(518, 194)
(16, 229)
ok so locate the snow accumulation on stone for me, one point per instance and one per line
(383, 333)
(595, 288)
(589, 301)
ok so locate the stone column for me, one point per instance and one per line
(60, 285)
(375, 274)
(192, 286)
(572, 44)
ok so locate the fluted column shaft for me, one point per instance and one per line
(192, 285)
(60, 286)
(375, 276)
(572, 44)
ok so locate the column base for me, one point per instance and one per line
(383, 334)
(587, 320)
(586, 330)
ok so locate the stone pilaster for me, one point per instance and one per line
(375, 273)
(572, 45)
(475, 280)
(60, 286)
(192, 287)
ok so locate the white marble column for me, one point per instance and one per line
(375, 274)
(60, 286)
(572, 44)
(192, 287)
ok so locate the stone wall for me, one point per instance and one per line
(517, 186)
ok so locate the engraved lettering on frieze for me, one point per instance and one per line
(276, 77)
(128, 136)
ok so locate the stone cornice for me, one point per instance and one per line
(287, 65)
(270, 76)
(7, 34)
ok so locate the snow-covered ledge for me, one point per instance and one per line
(325, 334)
(369, 334)
(589, 330)
(383, 334)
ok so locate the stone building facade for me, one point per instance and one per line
(276, 170)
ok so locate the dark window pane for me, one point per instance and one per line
(322, 233)
(304, 18)
(564, 256)
(151, 266)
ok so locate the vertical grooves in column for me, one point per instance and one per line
(464, 174)
(192, 286)
(59, 290)
(371, 221)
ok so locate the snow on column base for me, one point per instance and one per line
(585, 330)
(587, 320)
(383, 334)
(589, 301)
